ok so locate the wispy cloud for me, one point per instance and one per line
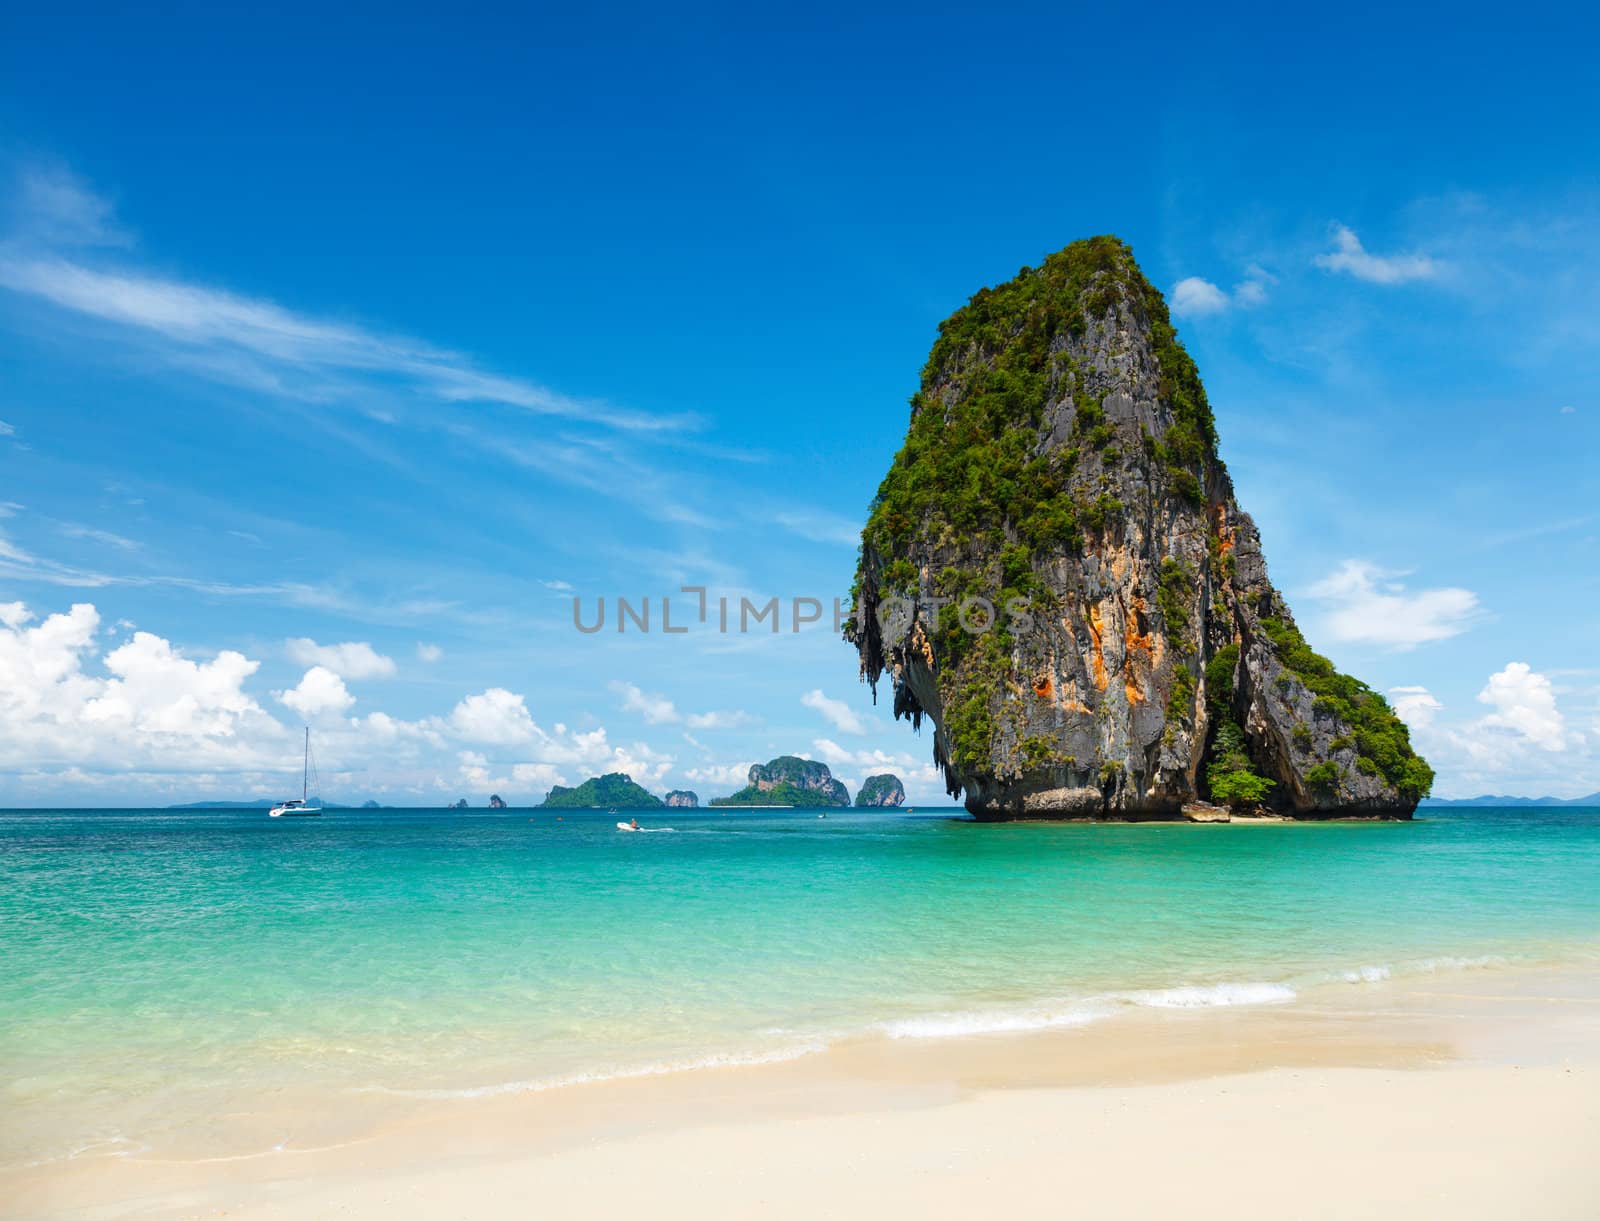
(1350, 257)
(655, 709)
(606, 470)
(94, 535)
(1523, 534)
(264, 346)
(55, 207)
(836, 712)
(722, 718)
(20, 564)
(659, 710)
(1364, 604)
(245, 340)
(350, 659)
(821, 527)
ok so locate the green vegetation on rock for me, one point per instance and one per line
(789, 780)
(1230, 777)
(613, 790)
(1379, 736)
(883, 790)
(967, 468)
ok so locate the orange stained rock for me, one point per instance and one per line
(1137, 641)
(1097, 627)
(1043, 687)
(1139, 648)
(1224, 531)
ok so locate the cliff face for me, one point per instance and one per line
(883, 790)
(1062, 464)
(682, 799)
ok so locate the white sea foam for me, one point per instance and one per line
(1367, 975)
(1203, 996)
(1452, 962)
(991, 1021)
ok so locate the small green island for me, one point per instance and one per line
(613, 790)
(788, 780)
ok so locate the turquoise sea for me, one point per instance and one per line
(160, 966)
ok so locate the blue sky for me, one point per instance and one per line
(338, 353)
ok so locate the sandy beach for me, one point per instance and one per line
(1466, 1094)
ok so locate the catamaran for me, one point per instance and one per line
(301, 807)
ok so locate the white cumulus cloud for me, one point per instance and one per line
(1193, 297)
(144, 703)
(1525, 703)
(1416, 706)
(496, 717)
(319, 691)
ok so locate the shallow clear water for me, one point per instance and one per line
(156, 962)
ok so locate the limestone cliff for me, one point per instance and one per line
(883, 790)
(682, 799)
(1062, 464)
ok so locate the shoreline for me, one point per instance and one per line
(1515, 1043)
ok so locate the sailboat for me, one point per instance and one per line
(300, 807)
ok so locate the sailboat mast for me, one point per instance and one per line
(305, 769)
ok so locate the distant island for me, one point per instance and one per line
(613, 790)
(683, 799)
(1593, 799)
(788, 781)
(884, 791)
